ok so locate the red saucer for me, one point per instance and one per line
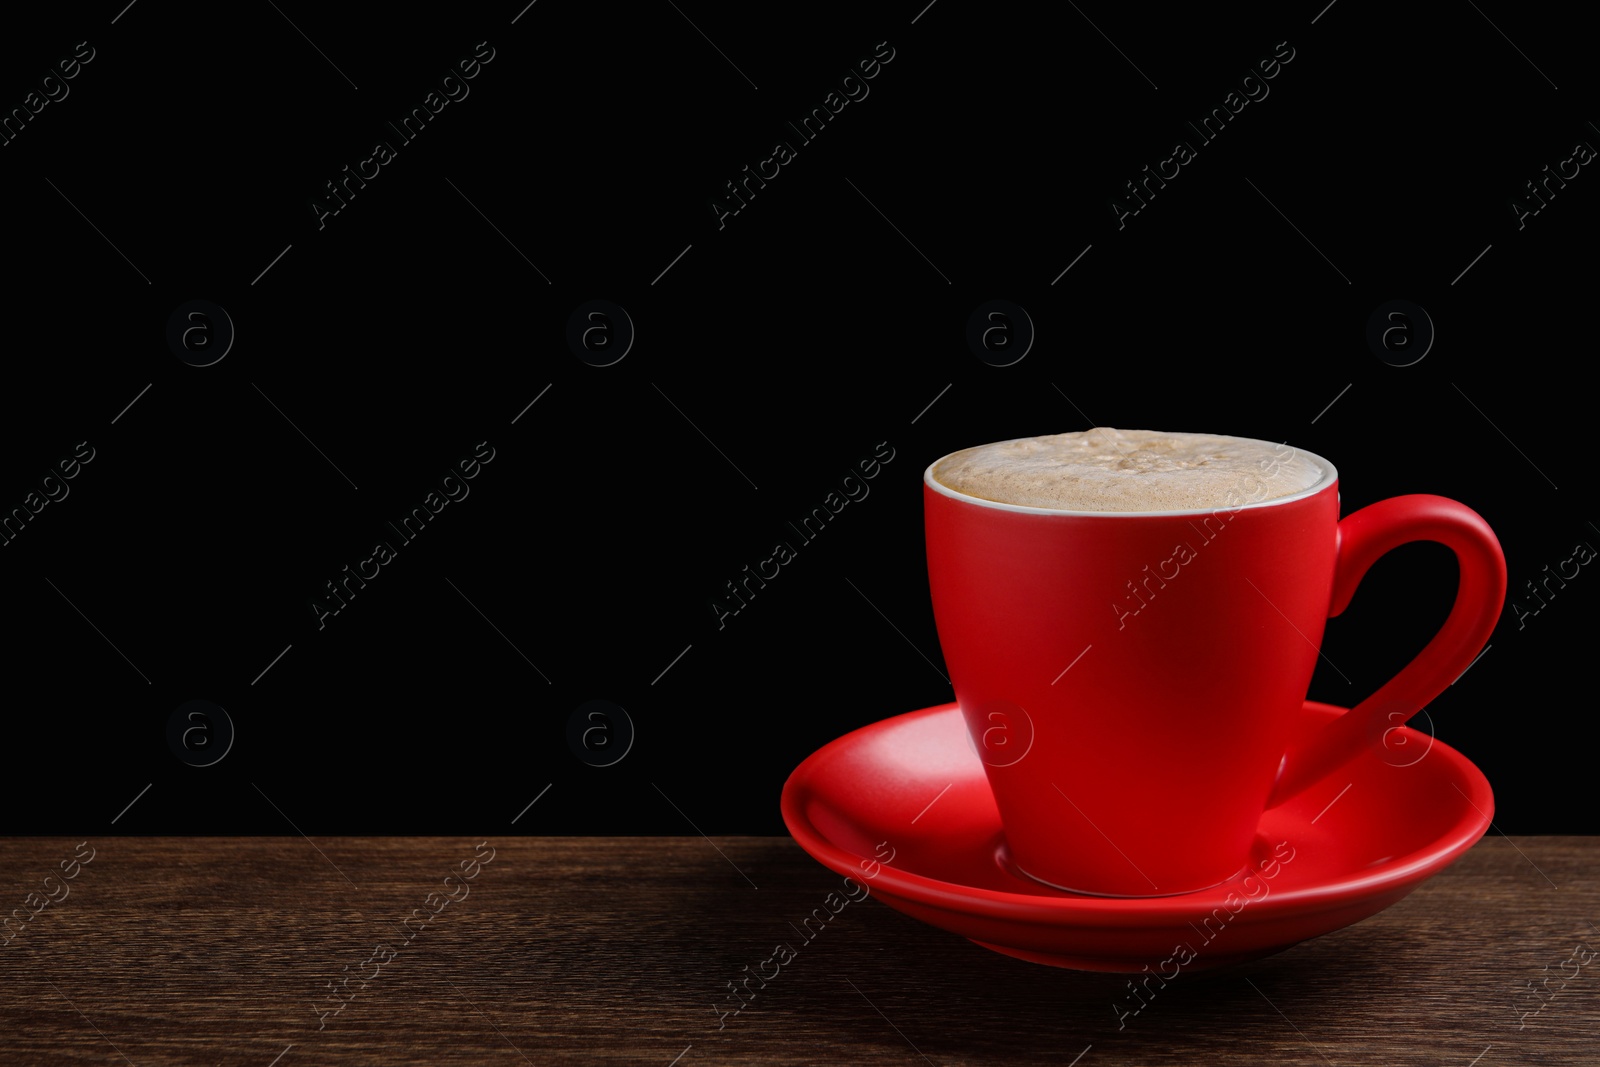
(911, 792)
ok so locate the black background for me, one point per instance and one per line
(772, 353)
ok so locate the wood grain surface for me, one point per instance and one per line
(162, 951)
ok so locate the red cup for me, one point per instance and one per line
(1131, 679)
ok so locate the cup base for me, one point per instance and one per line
(1009, 863)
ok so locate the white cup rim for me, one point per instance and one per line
(1330, 477)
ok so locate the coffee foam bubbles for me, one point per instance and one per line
(1105, 469)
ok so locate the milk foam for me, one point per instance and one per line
(1105, 469)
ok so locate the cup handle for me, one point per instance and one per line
(1363, 537)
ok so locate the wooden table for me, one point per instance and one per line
(619, 950)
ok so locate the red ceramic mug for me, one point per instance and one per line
(1131, 679)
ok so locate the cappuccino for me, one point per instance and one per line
(1104, 469)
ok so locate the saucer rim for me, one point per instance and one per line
(1395, 875)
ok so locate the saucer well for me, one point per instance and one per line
(903, 806)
